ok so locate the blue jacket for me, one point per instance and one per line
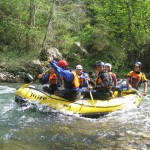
(45, 79)
(83, 76)
(66, 74)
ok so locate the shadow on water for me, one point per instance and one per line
(35, 128)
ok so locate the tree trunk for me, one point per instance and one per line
(49, 24)
(31, 23)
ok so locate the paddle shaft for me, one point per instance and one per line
(34, 79)
(91, 94)
(45, 72)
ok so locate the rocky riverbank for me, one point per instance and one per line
(25, 74)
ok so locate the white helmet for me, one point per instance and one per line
(109, 65)
(79, 67)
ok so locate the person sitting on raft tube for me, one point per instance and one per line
(50, 78)
(83, 78)
(108, 68)
(70, 80)
(102, 83)
(135, 78)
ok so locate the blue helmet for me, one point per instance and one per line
(100, 63)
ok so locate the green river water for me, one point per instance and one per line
(22, 128)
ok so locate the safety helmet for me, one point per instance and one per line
(139, 64)
(62, 63)
(109, 65)
(100, 63)
(79, 67)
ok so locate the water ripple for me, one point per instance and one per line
(6, 89)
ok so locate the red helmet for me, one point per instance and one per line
(62, 63)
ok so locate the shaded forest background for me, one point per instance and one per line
(114, 31)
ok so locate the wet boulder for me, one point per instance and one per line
(50, 52)
(7, 77)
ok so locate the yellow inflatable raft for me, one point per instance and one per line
(83, 107)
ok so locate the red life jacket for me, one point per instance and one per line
(53, 78)
(80, 81)
(136, 78)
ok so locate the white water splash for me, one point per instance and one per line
(7, 136)
(7, 108)
(6, 89)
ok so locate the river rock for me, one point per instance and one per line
(79, 48)
(7, 77)
(54, 52)
(24, 73)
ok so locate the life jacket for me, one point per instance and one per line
(136, 79)
(53, 78)
(98, 79)
(110, 73)
(74, 84)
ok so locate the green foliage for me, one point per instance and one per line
(43, 55)
(112, 31)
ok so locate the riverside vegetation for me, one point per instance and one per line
(83, 31)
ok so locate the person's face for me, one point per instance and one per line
(100, 68)
(51, 70)
(107, 68)
(79, 71)
(136, 68)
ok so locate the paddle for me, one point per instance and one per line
(45, 72)
(90, 92)
(34, 79)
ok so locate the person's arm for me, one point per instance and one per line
(129, 75)
(144, 80)
(106, 79)
(68, 76)
(128, 84)
(114, 79)
(85, 78)
(43, 79)
(145, 88)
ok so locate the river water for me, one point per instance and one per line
(29, 129)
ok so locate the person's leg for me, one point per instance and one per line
(61, 93)
(87, 94)
(101, 95)
(46, 89)
(52, 88)
(69, 95)
(73, 95)
(105, 94)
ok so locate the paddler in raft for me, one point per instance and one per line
(102, 83)
(51, 78)
(135, 78)
(83, 78)
(70, 80)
